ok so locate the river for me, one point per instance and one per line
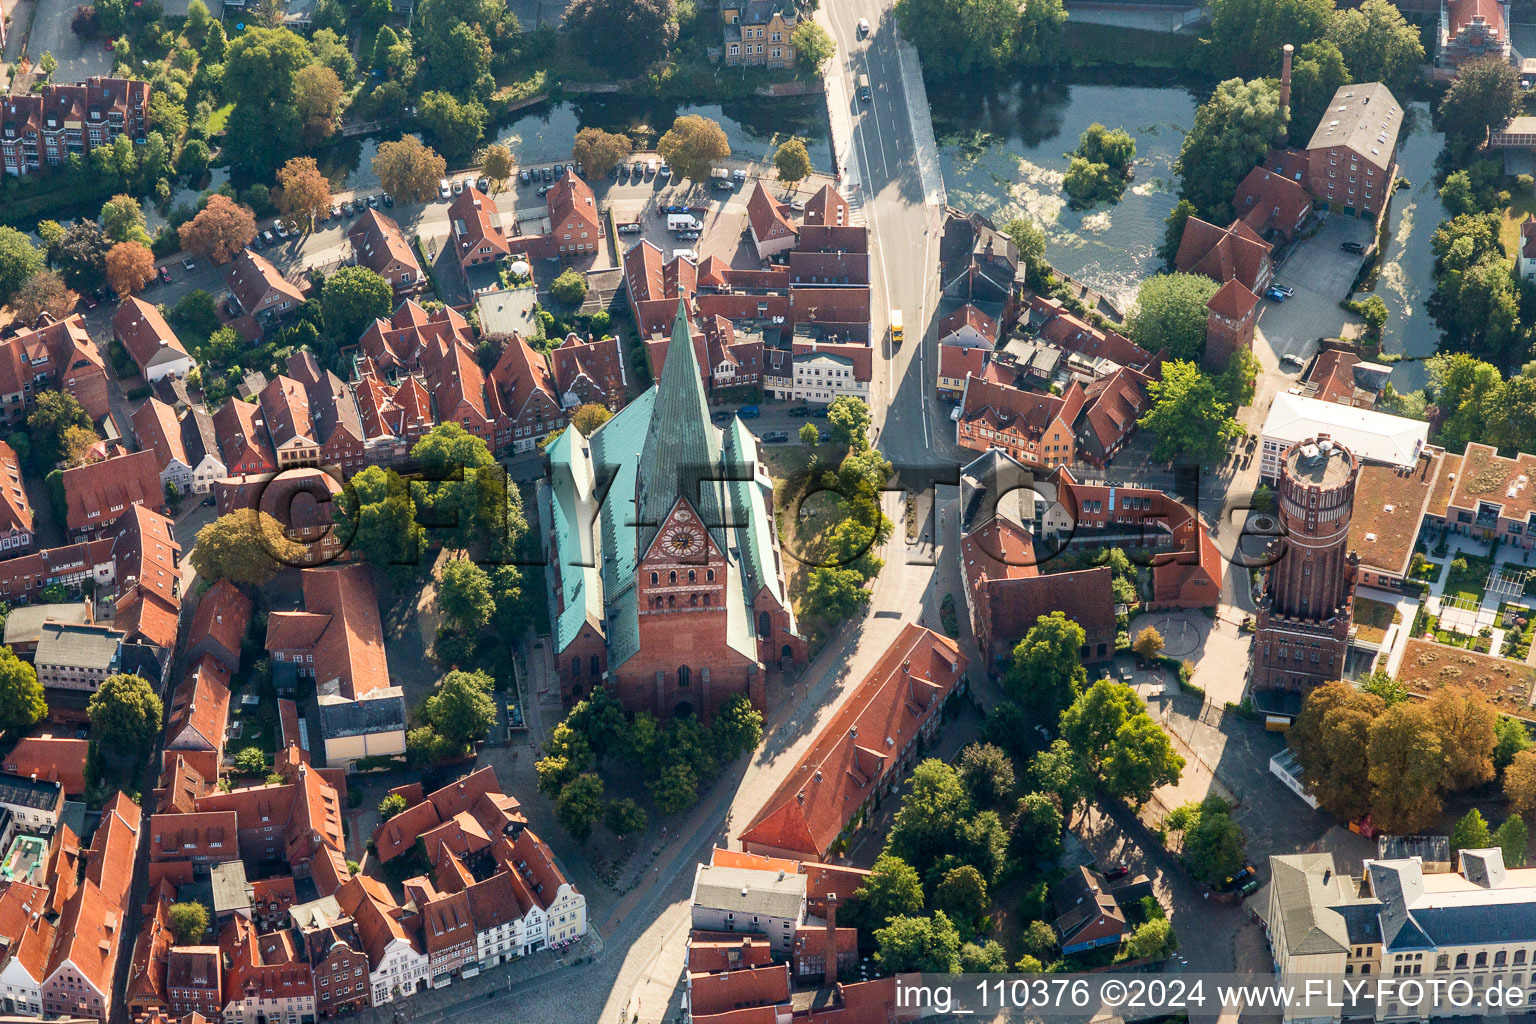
(544, 133)
(1407, 275)
(1002, 153)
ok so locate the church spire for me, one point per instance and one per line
(682, 450)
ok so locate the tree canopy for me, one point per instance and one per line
(1189, 417)
(1233, 131)
(246, 546)
(693, 145)
(1170, 313)
(1047, 673)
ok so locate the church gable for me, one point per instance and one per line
(682, 539)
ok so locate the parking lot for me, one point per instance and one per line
(1318, 265)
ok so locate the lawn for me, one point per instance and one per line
(220, 117)
(801, 525)
(1373, 618)
(1521, 207)
(1469, 582)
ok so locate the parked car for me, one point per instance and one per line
(688, 236)
(268, 237)
(863, 27)
(444, 189)
(749, 412)
(523, 176)
(545, 189)
(188, 264)
(800, 411)
(775, 437)
(549, 175)
(1119, 870)
(483, 184)
(722, 185)
(635, 169)
(820, 412)
(91, 302)
(282, 232)
(1275, 295)
(373, 202)
(1284, 289)
(720, 416)
(389, 200)
(824, 436)
(665, 172)
(629, 229)
(165, 275)
(1354, 247)
(335, 213)
(1292, 360)
(797, 206)
(258, 244)
(458, 187)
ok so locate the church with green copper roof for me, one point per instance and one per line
(666, 581)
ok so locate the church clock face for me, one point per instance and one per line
(684, 541)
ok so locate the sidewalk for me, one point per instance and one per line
(433, 1003)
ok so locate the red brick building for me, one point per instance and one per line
(99, 493)
(380, 245)
(476, 238)
(865, 748)
(38, 130)
(1224, 254)
(1231, 315)
(1304, 618)
(1035, 427)
(1352, 156)
(574, 224)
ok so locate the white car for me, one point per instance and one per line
(444, 189)
(863, 27)
(1291, 360)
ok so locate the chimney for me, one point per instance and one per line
(830, 978)
(1285, 77)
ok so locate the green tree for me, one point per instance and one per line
(1170, 313)
(624, 817)
(1233, 131)
(809, 435)
(1384, 686)
(693, 145)
(1331, 737)
(580, 806)
(987, 774)
(409, 170)
(736, 729)
(1061, 769)
(21, 696)
(1511, 837)
(251, 761)
(1152, 940)
(962, 895)
(353, 298)
(987, 958)
(1173, 232)
(473, 497)
(265, 128)
(891, 889)
(1379, 45)
(791, 160)
(1047, 673)
(391, 805)
(813, 48)
(835, 594)
(1038, 940)
(964, 38)
(188, 921)
(1512, 737)
(599, 152)
(464, 594)
(675, 788)
(570, 287)
(122, 220)
(1036, 832)
(462, 710)
(927, 944)
(1029, 239)
(624, 33)
(1247, 34)
(1471, 833)
(1188, 417)
(982, 841)
(246, 546)
(1094, 720)
(1213, 843)
(850, 420)
(19, 260)
(930, 816)
(126, 715)
(1407, 768)
(1484, 96)
(455, 128)
(52, 415)
(1319, 71)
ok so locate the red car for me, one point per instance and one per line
(111, 43)
(1120, 870)
(165, 274)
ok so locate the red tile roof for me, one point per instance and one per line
(601, 362)
(573, 198)
(223, 614)
(58, 758)
(827, 207)
(251, 277)
(718, 951)
(378, 241)
(398, 835)
(969, 316)
(1222, 254)
(859, 746)
(157, 430)
(1233, 300)
(98, 493)
(769, 217)
(242, 436)
(27, 927)
(348, 645)
(202, 834)
(1464, 12)
(15, 509)
(199, 713)
(143, 331)
(469, 218)
(1266, 201)
(956, 362)
(737, 988)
